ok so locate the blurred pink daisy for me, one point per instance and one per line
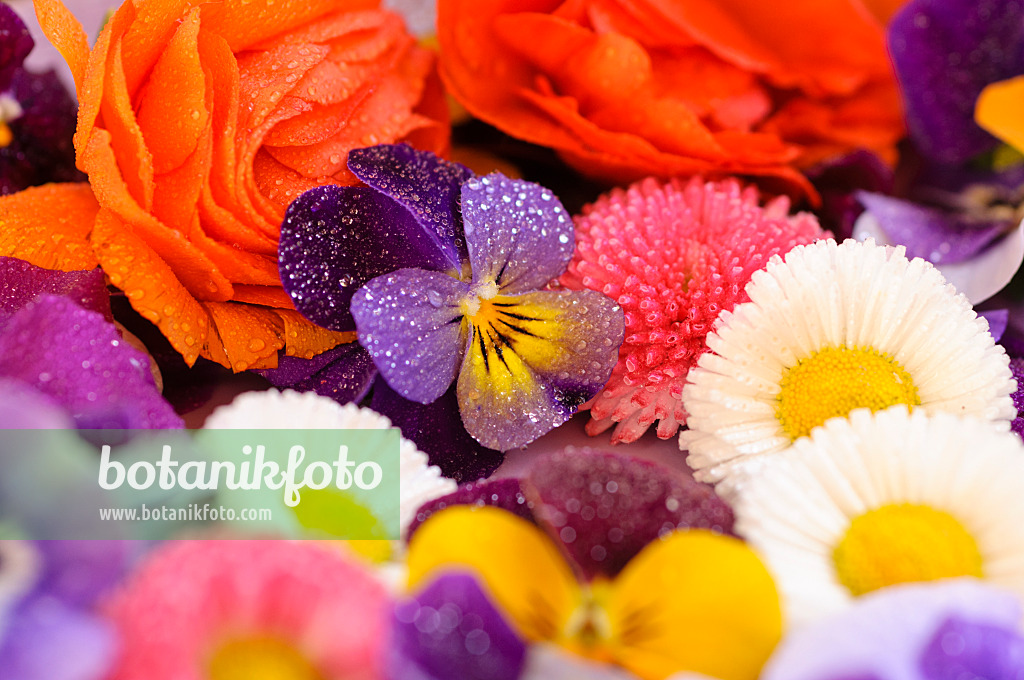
(673, 255)
(250, 610)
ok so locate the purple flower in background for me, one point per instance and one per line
(37, 116)
(442, 274)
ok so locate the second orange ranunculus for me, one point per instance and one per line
(199, 122)
(676, 87)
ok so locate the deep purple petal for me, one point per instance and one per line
(425, 184)
(410, 321)
(15, 44)
(76, 357)
(21, 282)
(437, 430)
(839, 179)
(78, 573)
(998, 320)
(344, 373)
(450, 630)
(47, 640)
(335, 239)
(554, 352)
(945, 53)
(517, 232)
(1017, 368)
(501, 493)
(935, 235)
(604, 508)
(962, 649)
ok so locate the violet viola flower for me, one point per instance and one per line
(442, 275)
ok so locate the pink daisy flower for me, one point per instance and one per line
(673, 255)
(250, 610)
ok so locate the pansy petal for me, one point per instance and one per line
(518, 233)
(521, 569)
(437, 430)
(410, 321)
(605, 508)
(532, 360)
(424, 184)
(450, 630)
(48, 639)
(15, 44)
(998, 320)
(23, 407)
(335, 239)
(503, 493)
(21, 282)
(945, 52)
(79, 359)
(344, 373)
(696, 601)
(961, 648)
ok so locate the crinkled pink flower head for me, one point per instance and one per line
(674, 255)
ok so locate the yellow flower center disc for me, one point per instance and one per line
(260, 658)
(836, 380)
(904, 543)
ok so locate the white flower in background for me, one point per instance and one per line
(831, 329)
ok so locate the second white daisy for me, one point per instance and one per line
(831, 329)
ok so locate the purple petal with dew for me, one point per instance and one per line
(47, 640)
(451, 630)
(43, 149)
(79, 573)
(23, 407)
(998, 320)
(529, 369)
(962, 648)
(425, 184)
(506, 494)
(838, 181)
(15, 44)
(1017, 368)
(335, 239)
(21, 282)
(518, 233)
(884, 633)
(945, 52)
(437, 430)
(605, 508)
(76, 357)
(344, 373)
(411, 323)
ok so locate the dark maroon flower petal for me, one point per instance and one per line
(838, 180)
(15, 44)
(76, 357)
(437, 430)
(604, 507)
(42, 150)
(450, 630)
(965, 649)
(335, 239)
(344, 373)
(426, 185)
(501, 493)
(945, 53)
(517, 232)
(937, 236)
(21, 282)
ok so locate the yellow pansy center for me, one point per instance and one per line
(260, 658)
(589, 630)
(836, 380)
(904, 543)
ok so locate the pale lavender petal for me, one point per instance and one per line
(46, 640)
(450, 630)
(991, 270)
(437, 430)
(998, 320)
(344, 373)
(410, 321)
(945, 52)
(500, 493)
(335, 239)
(425, 184)
(21, 282)
(518, 233)
(23, 407)
(962, 648)
(77, 358)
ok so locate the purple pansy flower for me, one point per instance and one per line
(442, 275)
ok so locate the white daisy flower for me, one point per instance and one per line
(832, 329)
(418, 480)
(884, 498)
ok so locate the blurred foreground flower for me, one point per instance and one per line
(199, 123)
(833, 328)
(673, 256)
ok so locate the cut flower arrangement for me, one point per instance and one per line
(698, 327)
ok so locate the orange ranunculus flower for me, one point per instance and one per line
(199, 122)
(676, 87)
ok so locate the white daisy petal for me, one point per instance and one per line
(861, 302)
(796, 507)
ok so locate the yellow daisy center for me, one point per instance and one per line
(260, 658)
(836, 380)
(903, 543)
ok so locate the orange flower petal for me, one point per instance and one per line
(246, 23)
(49, 226)
(67, 35)
(126, 136)
(268, 296)
(250, 336)
(306, 339)
(283, 185)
